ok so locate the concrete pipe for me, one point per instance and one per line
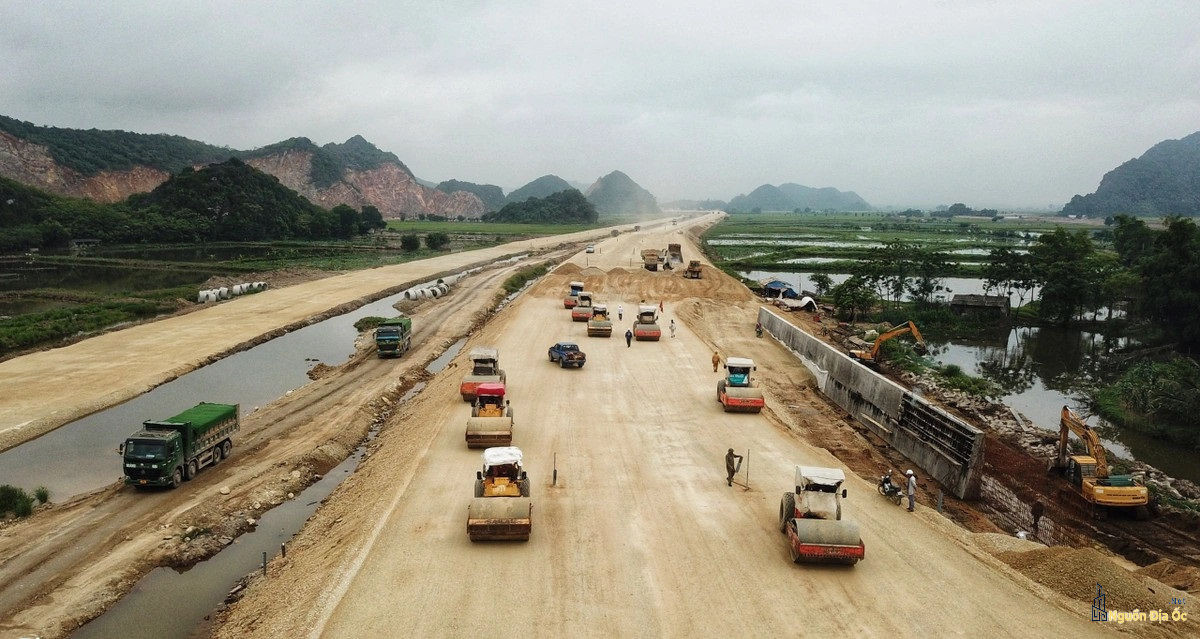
(223, 292)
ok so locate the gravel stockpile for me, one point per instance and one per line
(1075, 572)
(1184, 578)
(996, 543)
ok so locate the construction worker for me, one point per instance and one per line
(672, 328)
(628, 337)
(1038, 509)
(912, 489)
(716, 360)
(660, 306)
(620, 312)
(731, 466)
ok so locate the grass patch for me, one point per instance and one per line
(517, 281)
(15, 502)
(953, 376)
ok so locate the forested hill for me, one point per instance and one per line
(563, 207)
(541, 187)
(617, 194)
(90, 151)
(797, 197)
(1164, 181)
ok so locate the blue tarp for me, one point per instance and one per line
(779, 288)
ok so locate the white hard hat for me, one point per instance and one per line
(908, 472)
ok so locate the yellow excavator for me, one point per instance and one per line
(871, 357)
(1088, 474)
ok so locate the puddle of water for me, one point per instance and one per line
(169, 604)
(443, 360)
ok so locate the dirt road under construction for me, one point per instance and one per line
(635, 532)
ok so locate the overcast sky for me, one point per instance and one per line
(993, 104)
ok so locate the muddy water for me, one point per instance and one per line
(192, 595)
(81, 456)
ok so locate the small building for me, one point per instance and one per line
(985, 306)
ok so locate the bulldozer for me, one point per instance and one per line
(501, 509)
(736, 392)
(599, 325)
(491, 421)
(1089, 477)
(572, 297)
(871, 358)
(583, 309)
(811, 517)
(485, 367)
(692, 272)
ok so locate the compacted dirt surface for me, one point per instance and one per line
(635, 531)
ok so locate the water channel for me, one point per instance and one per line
(1035, 367)
(81, 456)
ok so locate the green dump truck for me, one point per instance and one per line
(172, 451)
(393, 336)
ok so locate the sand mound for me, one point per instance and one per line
(1075, 572)
(1172, 574)
(592, 271)
(568, 268)
(996, 543)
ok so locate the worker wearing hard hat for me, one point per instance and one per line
(912, 489)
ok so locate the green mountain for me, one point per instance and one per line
(617, 194)
(329, 162)
(234, 201)
(541, 187)
(92, 151)
(791, 197)
(563, 207)
(492, 196)
(1164, 181)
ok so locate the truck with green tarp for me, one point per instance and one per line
(393, 336)
(172, 451)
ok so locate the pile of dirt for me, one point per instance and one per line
(592, 271)
(568, 268)
(997, 543)
(1184, 578)
(1074, 572)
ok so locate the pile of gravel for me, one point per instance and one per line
(1075, 572)
(996, 543)
(1184, 578)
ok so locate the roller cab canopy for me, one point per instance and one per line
(501, 456)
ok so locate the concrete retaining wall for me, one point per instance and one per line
(942, 445)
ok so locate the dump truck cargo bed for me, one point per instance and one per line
(499, 519)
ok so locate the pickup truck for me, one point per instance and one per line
(567, 354)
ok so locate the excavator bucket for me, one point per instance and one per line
(499, 519)
(825, 541)
(743, 399)
(486, 432)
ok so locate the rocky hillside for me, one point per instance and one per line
(109, 166)
(1164, 181)
(792, 197)
(616, 194)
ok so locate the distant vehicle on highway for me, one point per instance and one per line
(591, 248)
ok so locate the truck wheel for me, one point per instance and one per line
(190, 472)
(551, 355)
(562, 362)
(216, 454)
(226, 449)
(720, 390)
(479, 488)
(177, 478)
(787, 511)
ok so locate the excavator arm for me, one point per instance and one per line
(896, 332)
(1070, 423)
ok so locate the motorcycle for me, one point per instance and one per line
(890, 490)
(758, 330)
